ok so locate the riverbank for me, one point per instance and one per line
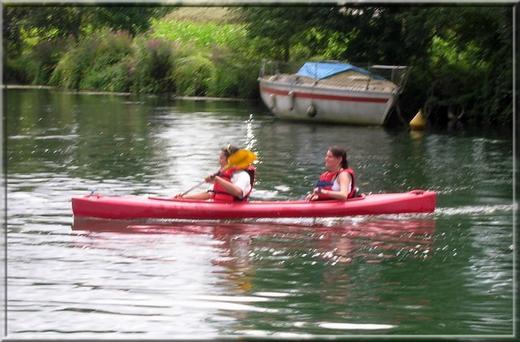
(458, 69)
(87, 92)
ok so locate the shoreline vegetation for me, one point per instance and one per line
(90, 92)
(460, 56)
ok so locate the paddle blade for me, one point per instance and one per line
(241, 159)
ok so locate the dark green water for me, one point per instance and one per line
(444, 274)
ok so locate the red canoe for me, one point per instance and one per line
(134, 207)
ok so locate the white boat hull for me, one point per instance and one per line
(326, 104)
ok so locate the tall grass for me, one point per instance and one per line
(71, 67)
(201, 35)
(236, 75)
(152, 66)
(98, 62)
(35, 65)
(193, 58)
(194, 75)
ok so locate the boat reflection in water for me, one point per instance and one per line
(336, 240)
(321, 253)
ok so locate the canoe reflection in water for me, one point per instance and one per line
(337, 241)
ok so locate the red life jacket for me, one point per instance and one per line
(327, 179)
(221, 195)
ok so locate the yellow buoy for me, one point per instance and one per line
(418, 122)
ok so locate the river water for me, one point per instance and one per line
(449, 273)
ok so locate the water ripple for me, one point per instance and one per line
(450, 272)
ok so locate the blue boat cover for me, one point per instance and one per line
(321, 70)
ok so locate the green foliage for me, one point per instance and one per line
(472, 54)
(108, 71)
(98, 62)
(73, 20)
(70, 68)
(131, 18)
(329, 45)
(194, 75)
(236, 76)
(152, 66)
(201, 35)
(461, 56)
(34, 66)
(43, 58)
(279, 25)
(15, 71)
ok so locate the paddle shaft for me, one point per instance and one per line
(197, 185)
(193, 188)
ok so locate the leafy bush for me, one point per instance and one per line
(97, 62)
(236, 76)
(67, 73)
(109, 68)
(202, 35)
(194, 75)
(190, 58)
(43, 59)
(205, 63)
(15, 71)
(152, 66)
(35, 64)
(114, 78)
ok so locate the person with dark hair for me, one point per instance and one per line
(338, 181)
(230, 184)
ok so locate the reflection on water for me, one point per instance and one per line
(449, 273)
(374, 240)
(243, 251)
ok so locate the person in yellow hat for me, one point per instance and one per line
(233, 183)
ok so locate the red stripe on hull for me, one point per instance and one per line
(324, 96)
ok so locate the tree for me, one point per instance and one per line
(279, 25)
(482, 39)
(47, 22)
(461, 56)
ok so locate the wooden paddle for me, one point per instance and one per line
(240, 159)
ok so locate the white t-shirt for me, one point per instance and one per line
(242, 180)
(336, 187)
